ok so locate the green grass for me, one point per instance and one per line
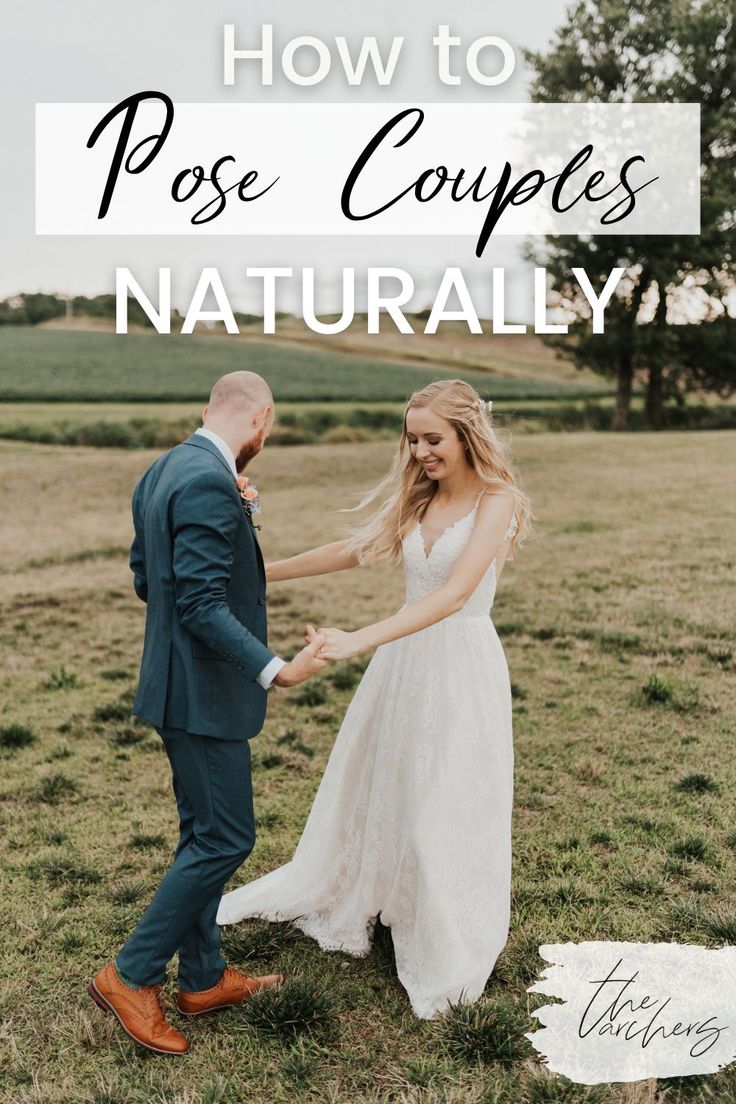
(623, 821)
(51, 365)
(61, 679)
(300, 1006)
(15, 736)
(484, 1032)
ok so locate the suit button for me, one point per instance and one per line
(262, 600)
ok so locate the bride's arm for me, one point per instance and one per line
(318, 561)
(492, 522)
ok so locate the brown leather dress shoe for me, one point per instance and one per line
(138, 1011)
(232, 989)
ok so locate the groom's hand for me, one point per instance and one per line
(303, 665)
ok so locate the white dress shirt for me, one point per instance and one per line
(270, 671)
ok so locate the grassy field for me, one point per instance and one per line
(517, 355)
(617, 621)
(70, 366)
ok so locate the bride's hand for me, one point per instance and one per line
(340, 645)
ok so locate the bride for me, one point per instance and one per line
(412, 819)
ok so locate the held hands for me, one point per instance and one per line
(321, 645)
(304, 665)
(336, 643)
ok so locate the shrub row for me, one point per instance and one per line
(359, 423)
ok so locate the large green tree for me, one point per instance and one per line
(653, 51)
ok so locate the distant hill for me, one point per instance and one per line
(503, 355)
(65, 364)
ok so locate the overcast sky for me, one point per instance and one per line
(82, 50)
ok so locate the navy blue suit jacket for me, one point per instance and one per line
(197, 565)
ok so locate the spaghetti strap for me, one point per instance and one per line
(512, 529)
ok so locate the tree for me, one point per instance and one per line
(39, 307)
(652, 51)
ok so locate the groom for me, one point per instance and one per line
(204, 676)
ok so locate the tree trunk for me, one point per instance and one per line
(654, 404)
(625, 382)
(620, 420)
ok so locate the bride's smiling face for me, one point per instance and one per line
(434, 443)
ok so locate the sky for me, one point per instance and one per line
(81, 50)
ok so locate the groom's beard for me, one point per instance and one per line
(249, 450)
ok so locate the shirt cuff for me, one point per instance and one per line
(270, 671)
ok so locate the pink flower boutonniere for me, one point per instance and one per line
(249, 495)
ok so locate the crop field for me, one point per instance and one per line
(71, 366)
(618, 624)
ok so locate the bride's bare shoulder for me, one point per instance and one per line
(498, 503)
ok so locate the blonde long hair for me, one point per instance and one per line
(407, 489)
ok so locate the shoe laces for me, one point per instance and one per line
(164, 1027)
(157, 992)
(236, 974)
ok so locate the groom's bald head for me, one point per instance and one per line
(238, 390)
(241, 411)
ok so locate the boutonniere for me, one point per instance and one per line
(249, 495)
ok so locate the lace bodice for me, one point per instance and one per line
(423, 573)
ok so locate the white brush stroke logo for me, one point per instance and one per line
(636, 1010)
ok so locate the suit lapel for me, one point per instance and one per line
(202, 442)
(198, 441)
(259, 555)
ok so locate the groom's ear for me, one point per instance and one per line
(262, 417)
(204, 411)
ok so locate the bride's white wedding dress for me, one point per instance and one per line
(412, 819)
